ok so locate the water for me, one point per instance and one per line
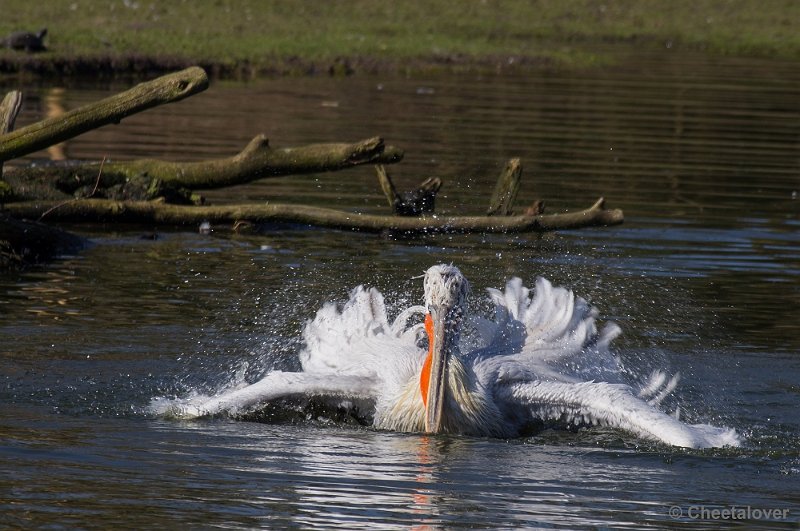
(703, 277)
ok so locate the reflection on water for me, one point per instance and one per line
(704, 278)
(218, 473)
(54, 102)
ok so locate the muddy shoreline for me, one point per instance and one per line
(110, 67)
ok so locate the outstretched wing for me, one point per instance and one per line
(357, 339)
(274, 385)
(349, 352)
(551, 335)
(611, 405)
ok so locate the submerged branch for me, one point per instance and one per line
(28, 242)
(159, 212)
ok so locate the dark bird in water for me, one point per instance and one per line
(419, 201)
(27, 41)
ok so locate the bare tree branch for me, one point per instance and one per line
(165, 89)
(159, 212)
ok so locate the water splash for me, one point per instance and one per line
(544, 353)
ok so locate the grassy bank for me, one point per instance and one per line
(277, 36)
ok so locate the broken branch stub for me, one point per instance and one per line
(505, 191)
(9, 109)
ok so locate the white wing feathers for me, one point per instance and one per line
(657, 387)
(358, 339)
(274, 385)
(550, 336)
(556, 322)
(353, 352)
(544, 354)
(613, 405)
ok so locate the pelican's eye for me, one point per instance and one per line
(422, 339)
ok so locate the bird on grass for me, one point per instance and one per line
(26, 41)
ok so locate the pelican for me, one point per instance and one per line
(541, 360)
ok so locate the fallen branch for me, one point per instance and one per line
(165, 89)
(258, 160)
(159, 212)
(147, 178)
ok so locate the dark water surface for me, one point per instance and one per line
(703, 277)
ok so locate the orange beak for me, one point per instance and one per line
(432, 378)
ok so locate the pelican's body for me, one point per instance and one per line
(541, 359)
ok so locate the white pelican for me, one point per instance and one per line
(542, 360)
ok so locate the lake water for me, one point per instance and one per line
(704, 278)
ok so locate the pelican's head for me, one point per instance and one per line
(445, 287)
(446, 292)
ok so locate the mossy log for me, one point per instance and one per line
(147, 179)
(258, 160)
(162, 213)
(165, 89)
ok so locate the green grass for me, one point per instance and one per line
(233, 33)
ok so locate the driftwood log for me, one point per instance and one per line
(149, 191)
(147, 179)
(163, 213)
(166, 89)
